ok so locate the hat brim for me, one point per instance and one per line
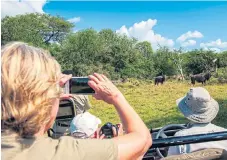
(204, 117)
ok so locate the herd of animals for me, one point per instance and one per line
(161, 78)
(200, 78)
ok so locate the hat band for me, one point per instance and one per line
(79, 134)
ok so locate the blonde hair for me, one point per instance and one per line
(29, 85)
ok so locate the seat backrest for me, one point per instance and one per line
(65, 115)
(205, 154)
(66, 109)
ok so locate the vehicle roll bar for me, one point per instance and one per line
(199, 138)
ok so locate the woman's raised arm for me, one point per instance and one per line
(137, 140)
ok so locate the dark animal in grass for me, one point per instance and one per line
(159, 79)
(200, 78)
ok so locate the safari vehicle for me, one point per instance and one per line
(162, 137)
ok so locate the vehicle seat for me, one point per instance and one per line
(65, 115)
(205, 154)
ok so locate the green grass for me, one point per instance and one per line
(156, 105)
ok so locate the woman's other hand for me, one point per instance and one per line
(104, 89)
(63, 79)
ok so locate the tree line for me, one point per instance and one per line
(105, 51)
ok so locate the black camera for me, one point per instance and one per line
(107, 130)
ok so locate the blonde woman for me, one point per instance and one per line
(30, 95)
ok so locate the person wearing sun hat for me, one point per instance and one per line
(84, 125)
(200, 109)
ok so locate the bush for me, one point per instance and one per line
(220, 76)
(213, 80)
(222, 73)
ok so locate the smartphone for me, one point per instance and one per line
(78, 85)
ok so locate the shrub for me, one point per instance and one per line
(222, 73)
(220, 76)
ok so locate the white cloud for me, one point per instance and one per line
(215, 49)
(14, 7)
(123, 30)
(214, 44)
(188, 35)
(143, 32)
(212, 49)
(74, 20)
(188, 43)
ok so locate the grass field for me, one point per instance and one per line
(156, 105)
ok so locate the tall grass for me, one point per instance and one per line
(156, 105)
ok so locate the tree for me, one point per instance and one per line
(118, 56)
(108, 39)
(177, 59)
(144, 48)
(37, 29)
(78, 51)
(199, 61)
(163, 62)
(222, 59)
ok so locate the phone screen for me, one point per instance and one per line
(79, 85)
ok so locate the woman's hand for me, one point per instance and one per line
(63, 79)
(104, 89)
(116, 132)
(119, 132)
(97, 134)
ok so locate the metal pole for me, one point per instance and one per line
(200, 138)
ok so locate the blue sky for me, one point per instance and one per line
(200, 24)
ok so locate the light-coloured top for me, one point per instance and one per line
(82, 103)
(198, 129)
(65, 148)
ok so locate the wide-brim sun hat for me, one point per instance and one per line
(198, 106)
